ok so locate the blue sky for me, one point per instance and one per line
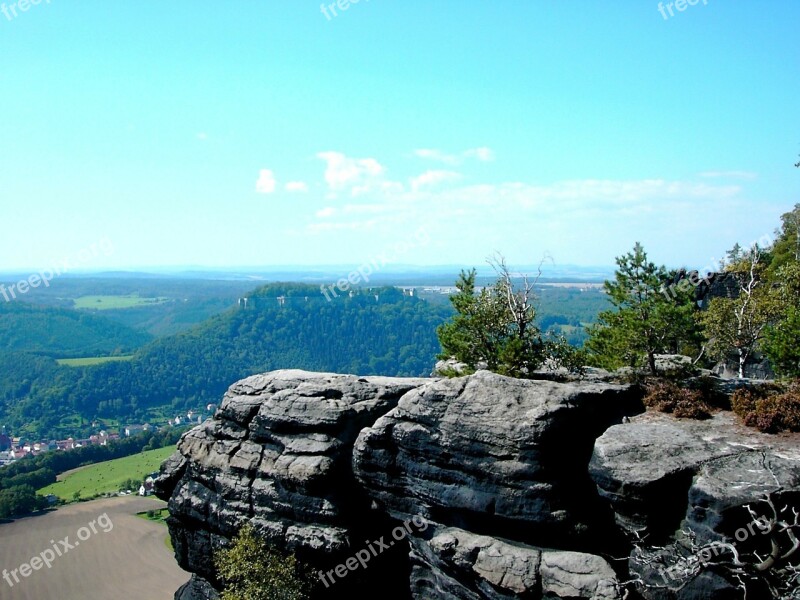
(265, 133)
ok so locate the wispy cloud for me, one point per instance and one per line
(482, 154)
(266, 182)
(297, 187)
(437, 155)
(432, 178)
(345, 173)
(323, 227)
(439, 195)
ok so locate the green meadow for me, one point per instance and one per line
(94, 360)
(115, 302)
(106, 477)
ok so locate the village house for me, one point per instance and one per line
(146, 489)
(134, 429)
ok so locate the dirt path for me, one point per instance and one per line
(125, 556)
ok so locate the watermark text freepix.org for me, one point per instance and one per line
(704, 556)
(45, 276)
(342, 5)
(680, 6)
(373, 549)
(60, 548)
(693, 278)
(9, 10)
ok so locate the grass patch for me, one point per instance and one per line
(95, 360)
(115, 302)
(160, 517)
(107, 477)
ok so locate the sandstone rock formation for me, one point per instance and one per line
(498, 487)
(663, 477)
(277, 455)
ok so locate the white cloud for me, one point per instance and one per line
(437, 155)
(266, 182)
(380, 187)
(371, 209)
(437, 195)
(202, 136)
(483, 154)
(297, 186)
(588, 194)
(343, 173)
(431, 178)
(609, 200)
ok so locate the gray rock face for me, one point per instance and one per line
(491, 454)
(674, 365)
(663, 477)
(526, 488)
(196, 588)
(451, 366)
(655, 460)
(458, 564)
(276, 455)
(576, 575)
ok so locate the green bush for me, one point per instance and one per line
(19, 501)
(251, 570)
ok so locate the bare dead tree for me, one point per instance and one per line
(739, 323)
(747, 326)
(520, 302)
(674, 566)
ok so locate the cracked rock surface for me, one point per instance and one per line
(515, 488)
(664, 477)
(276, 455)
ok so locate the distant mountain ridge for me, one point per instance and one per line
(64, 333)
(393, 335)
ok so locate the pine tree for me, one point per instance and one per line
(648, 316)
(495, 326)
(782, 338)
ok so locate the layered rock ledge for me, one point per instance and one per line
(664, 477)
(276, 455)
(518, 488)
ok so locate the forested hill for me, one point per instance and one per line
(391, 335)
(63, 333)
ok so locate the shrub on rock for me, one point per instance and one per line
(684, 403)
(769, 408)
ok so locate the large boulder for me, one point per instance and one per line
(477, 488)
(677, 485)
(196, 588)
(276, 455)
(489, 453)
(455, 563)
